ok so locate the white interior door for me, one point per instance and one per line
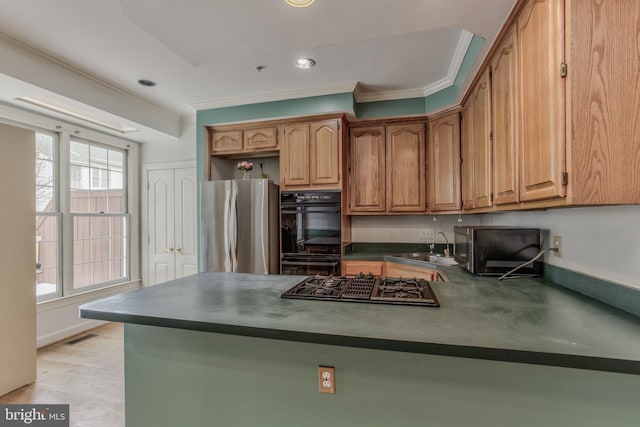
(186, 240)
(161, 225)
(171, 224)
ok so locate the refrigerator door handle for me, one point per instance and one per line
(265, 216)
(233, 226)
(227, 219)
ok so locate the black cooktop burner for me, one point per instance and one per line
(365, 288)
(319, 287)
(404, 291)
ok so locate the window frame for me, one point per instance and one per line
(68, 244)
(64, 130)
(55, 213)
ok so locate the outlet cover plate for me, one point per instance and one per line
(557, 243)
(327, 379)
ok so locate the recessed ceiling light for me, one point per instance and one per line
(304, 63)
(147, 83)
(299, 3)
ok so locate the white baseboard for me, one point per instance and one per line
(83, 325)
(58, 319)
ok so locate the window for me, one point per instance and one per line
(82, 219)
(98, 209)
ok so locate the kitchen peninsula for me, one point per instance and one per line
(225, 349)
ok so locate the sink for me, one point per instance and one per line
(427, 257)
(444, 260)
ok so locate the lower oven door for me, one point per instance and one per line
(311, 267)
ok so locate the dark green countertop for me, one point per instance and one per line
(521, 320)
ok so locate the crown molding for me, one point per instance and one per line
(458, 55)
(276, 96)
(456, 62)
(359, 94)
(388, 95)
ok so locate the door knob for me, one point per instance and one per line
(168, 250)
(178, 249)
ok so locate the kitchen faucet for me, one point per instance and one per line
(432, 245)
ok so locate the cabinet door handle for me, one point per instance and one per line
(168, 250)
(178, 249)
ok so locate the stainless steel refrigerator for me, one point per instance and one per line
(239, 229)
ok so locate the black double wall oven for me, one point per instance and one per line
(310, 232)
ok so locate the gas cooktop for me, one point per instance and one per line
(365, 288)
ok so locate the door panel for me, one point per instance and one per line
(406, 164)
(481, 99)
(252, 205)
(161, 225)
(295, 155)
(214, 201)
(367, 186)
(444, 164)
(466, 148)
(325, 152)
(185, 222)
(171, 219)
(542, 100)
(505, 144)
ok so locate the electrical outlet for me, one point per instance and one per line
(427, 234)
(327, 379)
(557, 243)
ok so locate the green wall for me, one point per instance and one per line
(178, 377)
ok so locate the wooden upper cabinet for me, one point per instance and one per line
(540, 50)
(325, 157)
(605, 109)
(444, 163)
(367, 185)
(466, 154)
(245, 140)
(311, 155)
(260, 138)
(226, 141)
(295, 155)
(482, 157)
(505, 121)
(406, 163)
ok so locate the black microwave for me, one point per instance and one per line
(495, 250)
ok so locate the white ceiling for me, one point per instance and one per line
(204, 53)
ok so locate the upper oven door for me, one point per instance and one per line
(310, 225)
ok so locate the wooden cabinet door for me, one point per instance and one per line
(605, 112)
(325, 152)
(295, 155)
(353, 267)
(481, 99)
(541, 102)
(504, 105)
(367, 179)
(406, 164)
(410, 272)
(444, 164)
(226, 141)
(260, 138)
(466, 154)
